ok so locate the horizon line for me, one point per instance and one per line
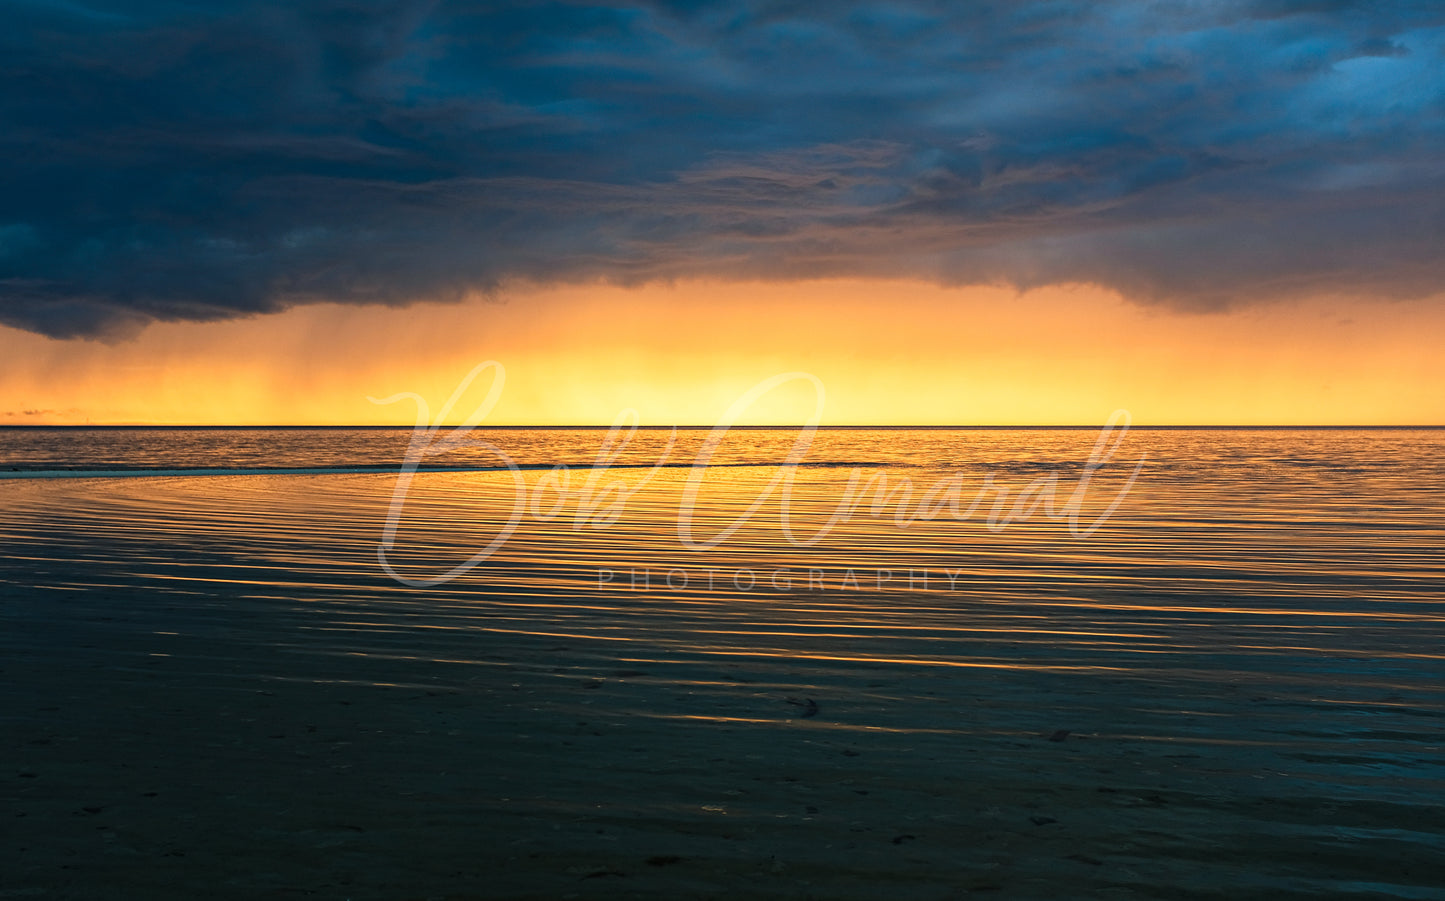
(694, 427)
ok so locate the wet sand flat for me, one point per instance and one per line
(209, 687)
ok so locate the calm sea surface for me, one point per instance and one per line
(1265, 604)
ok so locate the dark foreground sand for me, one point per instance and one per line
(161, 749)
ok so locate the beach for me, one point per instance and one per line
(1230, 690)
(852, 451)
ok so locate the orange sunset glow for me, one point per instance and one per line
(887, 352)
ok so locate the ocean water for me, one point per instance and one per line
(1240, 629)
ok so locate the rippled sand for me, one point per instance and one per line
(1233, 689)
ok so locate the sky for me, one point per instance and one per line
(1212, 211)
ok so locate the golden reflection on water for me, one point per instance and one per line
(1320, 541)
(1305, 562)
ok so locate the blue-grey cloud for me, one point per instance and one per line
(169, 160)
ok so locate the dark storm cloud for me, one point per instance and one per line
(199, 161)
